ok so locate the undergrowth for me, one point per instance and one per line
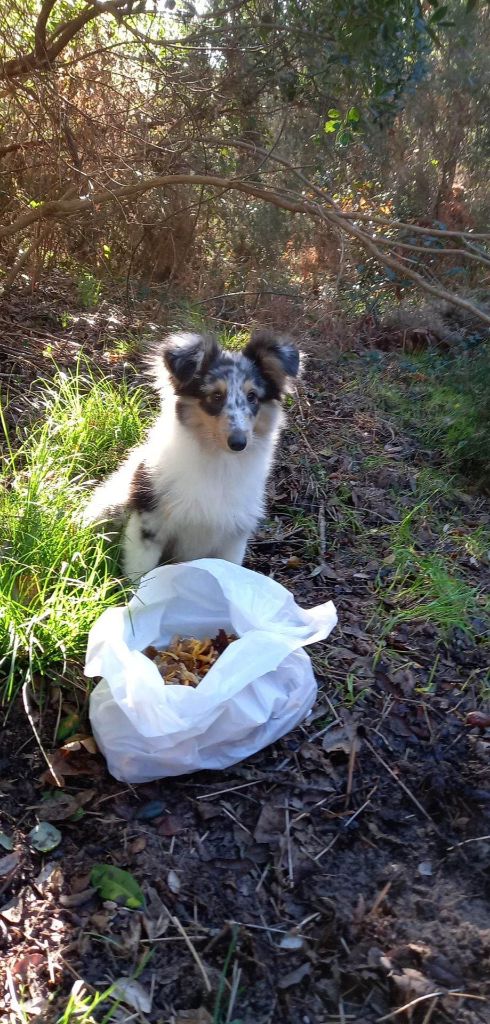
(56, 576)
(445, 400)
(424, 587)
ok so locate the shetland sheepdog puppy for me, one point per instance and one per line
(195, 488)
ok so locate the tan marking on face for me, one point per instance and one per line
(212, 430)
(265, 418)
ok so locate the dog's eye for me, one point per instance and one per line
(252, 396)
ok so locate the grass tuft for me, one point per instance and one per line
(56, 576)
(445, 400)
(424, 588)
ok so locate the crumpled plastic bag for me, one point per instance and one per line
(261, 686)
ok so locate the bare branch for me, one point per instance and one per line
(403, 270)
(394, 243)
(14, 147)
(59, 209)
(46, 52)
(416, 228)
(40, 43)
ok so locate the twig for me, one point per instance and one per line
(350, 773)
(430, 1011)
(288, 841)
(394, 243)
(405, 789)
(27, 708)
(328, 847)
(231, 789)
(409, 1006)
(476, 839)
(379, 899)
(17, 267)
(429, 995)
(193, 951)
(362, 807)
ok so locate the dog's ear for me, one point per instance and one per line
(186, 354)
(277, 358)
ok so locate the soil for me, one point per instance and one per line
(339, 875)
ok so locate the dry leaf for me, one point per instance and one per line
(342, 737)
(80, 742)
(13, 910)
(27, 965)
(137, 845)
(200, 1016)
(412, 983)
(8, 864)
(173, 881)
(156, 918)
(44, 837)
(63, 805)
(294, 977)
(271, 825)
(51, 873)
(77, 899)
(133, 994)
(6, 842)
(293, 942)
(169, 826)
(74, 758)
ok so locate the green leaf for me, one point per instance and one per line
(335, 114)
(354, 114)
(118, 885)
(344, 137)
(44, 837)
(438, 15)
(331, 126)
(68, 725)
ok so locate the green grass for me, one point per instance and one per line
(56, 576)
(445, 400)
(424, 586)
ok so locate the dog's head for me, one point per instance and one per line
(226, 397)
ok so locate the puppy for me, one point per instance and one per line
(195, 488)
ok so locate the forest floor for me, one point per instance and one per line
(341, 874)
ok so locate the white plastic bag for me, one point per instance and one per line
(260, 687)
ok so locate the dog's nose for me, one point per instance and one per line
(237, 441)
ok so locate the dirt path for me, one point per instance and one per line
(342, 873)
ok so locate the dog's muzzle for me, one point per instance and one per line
(237, 441)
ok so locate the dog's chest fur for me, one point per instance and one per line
(200, 500)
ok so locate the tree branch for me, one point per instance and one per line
(402, 269)
(59, 209)
(40, 43)
(393, 243)
(416, 228)
(46, 52)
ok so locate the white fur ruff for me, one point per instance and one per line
(208, 501)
